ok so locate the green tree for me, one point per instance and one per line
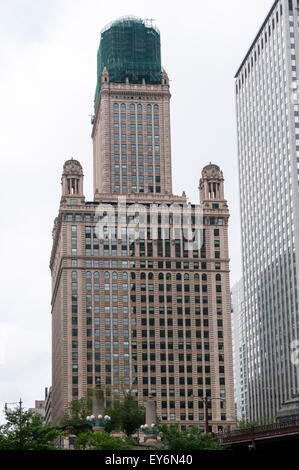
(25, 430)
(102, 440)
(249, 424)
(128, 416)
(191, 439)
(76, 413)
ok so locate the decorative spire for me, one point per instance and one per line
(72, 178)
(211, 183)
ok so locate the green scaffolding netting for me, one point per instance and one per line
(129, 47)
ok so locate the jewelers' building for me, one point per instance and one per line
(134, 304)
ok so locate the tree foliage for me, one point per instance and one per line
(25, 430)
(191, 439)
(102, 440)
(249, 424)
(77, 412)
(128, 417)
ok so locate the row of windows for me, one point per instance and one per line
(134, 148)
(151, 333)
(141, 158)
(150, 287)
(134, 168)
(132, 137)
(147, 264)
(168, 276)
(151, 322)
(123, 117)
(140, 127)
(134, 178)
(144, 310)
(163, 369)
(148, 252)
(170, 357)
(151, 299)
(177, 220)
(132, 107)
(145, 346)
(145, 356)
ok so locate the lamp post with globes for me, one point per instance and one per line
(149, 431)
(146, 429)
(98, 423)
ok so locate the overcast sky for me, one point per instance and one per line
(47, 80)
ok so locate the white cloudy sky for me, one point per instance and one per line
(47, 81)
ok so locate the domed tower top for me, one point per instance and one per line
(211, 183)
(130, 49)
(72, 167)
(72, 178)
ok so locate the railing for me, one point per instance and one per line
(282, 428)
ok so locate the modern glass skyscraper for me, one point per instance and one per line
(136, 306)
(268, 148)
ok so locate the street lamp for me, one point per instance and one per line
(14, 403)
(99, 422)
(206, 400)
(146, 429)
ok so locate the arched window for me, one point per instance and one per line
(142, 276)
(186, 277)
(97, 275)
(196, 277)
(156, 107)
(204, 277)
(132, 106)
(123, 106)
(107, 275)
(115, 106)
(161, 276)
(151, 276)
(218, 277)
(114, 275)
(125, 276)
(74, 274)
(149, 107)
(168, 277)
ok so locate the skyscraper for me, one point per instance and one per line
(268, 148)
(141, 295)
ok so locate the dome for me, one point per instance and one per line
(72, 162)
(129, 19)
(72, 167)
(212, 171)
(211, 165)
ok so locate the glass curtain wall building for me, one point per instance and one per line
(268, 149)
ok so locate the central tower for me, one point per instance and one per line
(131, 126)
